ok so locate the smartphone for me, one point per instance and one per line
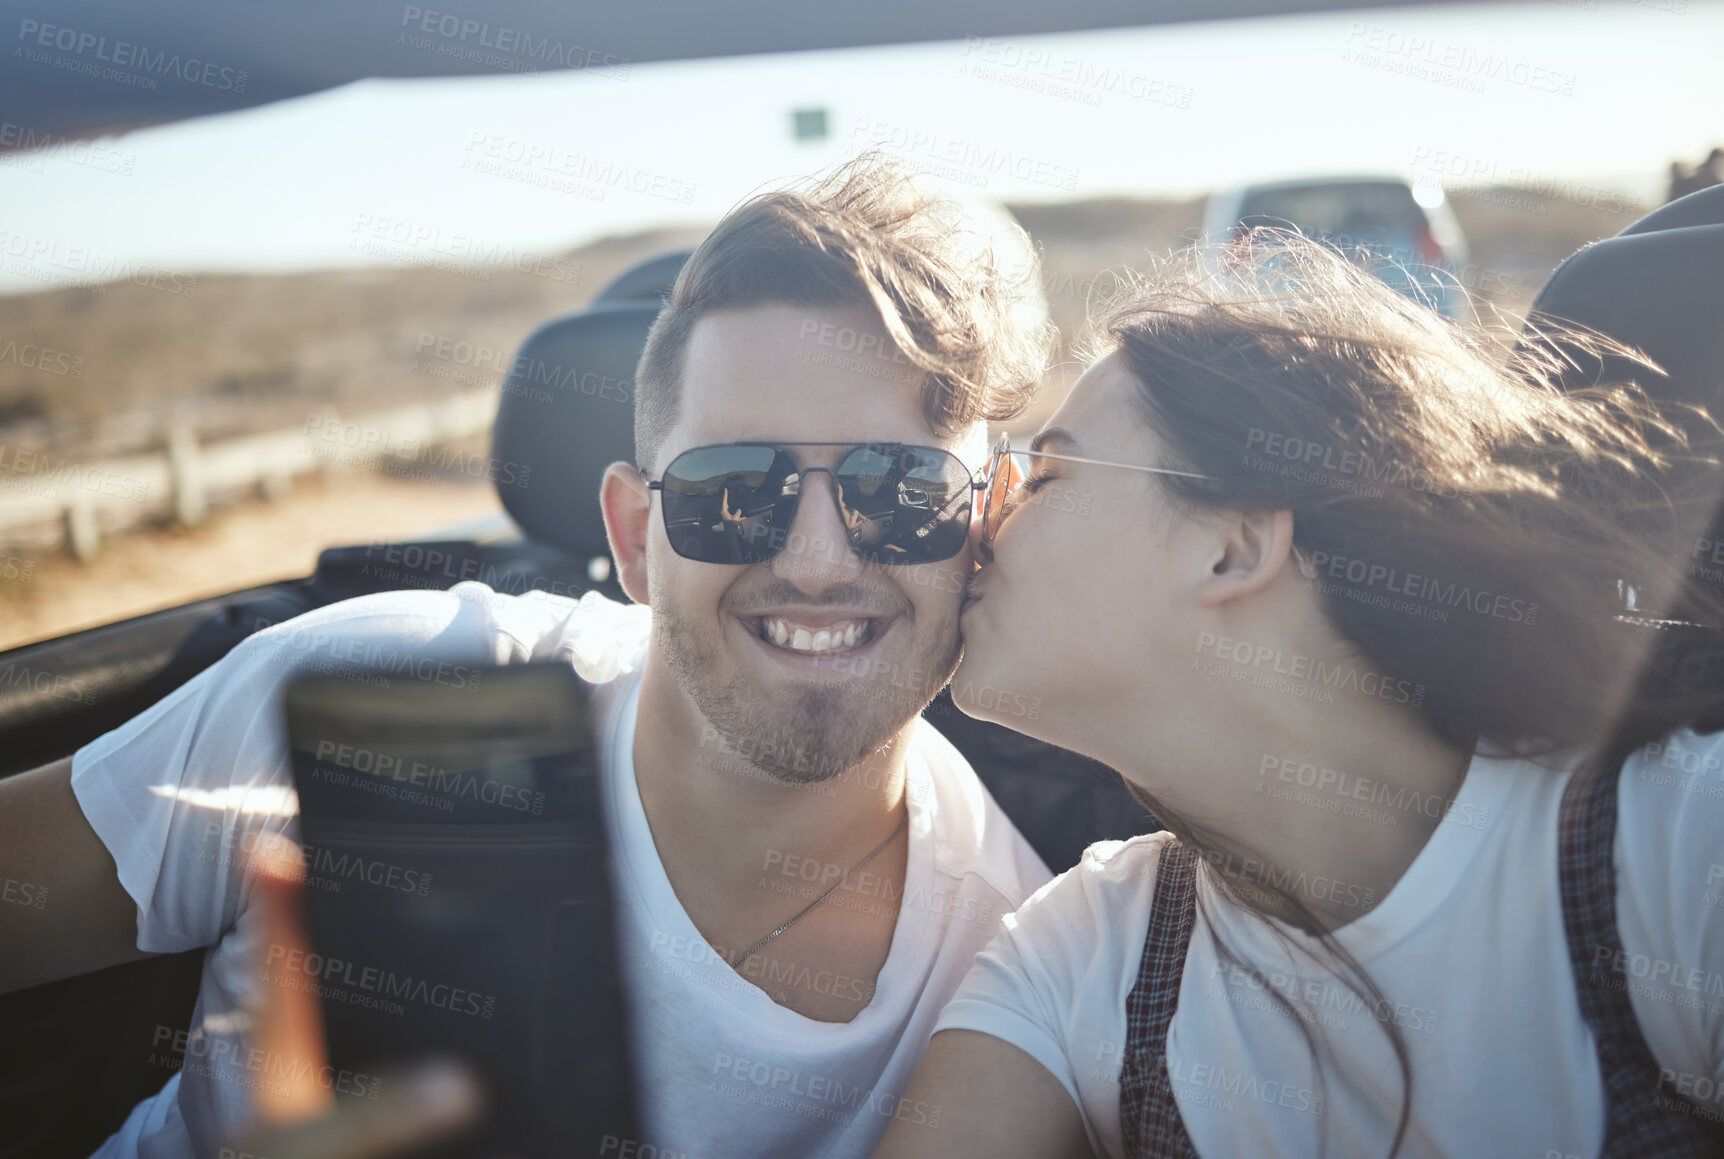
(457, 893)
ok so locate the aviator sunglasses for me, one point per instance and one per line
(735, 502)
(901, 504)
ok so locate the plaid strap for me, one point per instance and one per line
(1149, 1116)
(1642, 1118)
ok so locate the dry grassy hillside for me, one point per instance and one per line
(256, 352)
(250, 352)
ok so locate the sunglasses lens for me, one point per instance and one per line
(1004, 475)
(729, 504)
(904, 504)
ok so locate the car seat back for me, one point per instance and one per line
(1658, 287)
(566, 412)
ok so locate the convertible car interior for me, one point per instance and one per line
(82, 1049)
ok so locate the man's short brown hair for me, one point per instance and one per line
(867, 236)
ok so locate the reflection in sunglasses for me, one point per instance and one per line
(720, 506)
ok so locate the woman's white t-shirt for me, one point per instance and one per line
(1468, 950)
(181, 791)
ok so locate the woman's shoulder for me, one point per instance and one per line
(1670, 796)
(1689, 760)
(1673, 789)
(1076, 940)
(1670, 896)
(1110, 889)
(1124, 860)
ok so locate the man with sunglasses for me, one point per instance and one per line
(804, 869)
(801, 528)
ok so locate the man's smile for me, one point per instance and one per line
(811, 638)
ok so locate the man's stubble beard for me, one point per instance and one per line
(815, 734)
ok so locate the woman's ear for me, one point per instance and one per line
(1251, 549)
(627, 505)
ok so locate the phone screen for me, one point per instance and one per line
(457, 893)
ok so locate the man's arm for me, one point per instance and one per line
(994, 1101)
(68, 913)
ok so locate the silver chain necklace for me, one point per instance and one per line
(878, 849)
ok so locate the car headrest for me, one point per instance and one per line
(566, 410)
(1705, 207)
(1657, 286)
(646, 281)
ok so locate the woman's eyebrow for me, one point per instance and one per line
(1058, 435)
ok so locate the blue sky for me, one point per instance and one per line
(514, 168)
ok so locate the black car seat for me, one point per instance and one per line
(1658, 287)
(567, 413)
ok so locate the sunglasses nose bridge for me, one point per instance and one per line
(818, 537)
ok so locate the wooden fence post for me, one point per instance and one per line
(83, 535)
(189, 506)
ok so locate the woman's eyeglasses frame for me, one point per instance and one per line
(1003, 479)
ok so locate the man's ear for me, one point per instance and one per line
(1251, 549)
(627, 506)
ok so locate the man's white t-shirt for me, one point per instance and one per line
(180, 792)
(1468, 950)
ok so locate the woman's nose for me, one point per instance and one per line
(980, 549)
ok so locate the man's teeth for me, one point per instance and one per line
(811, 640)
